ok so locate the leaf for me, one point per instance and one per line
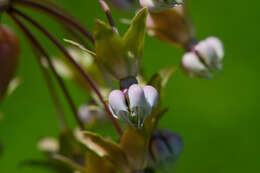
(105, 148)
(134, 37)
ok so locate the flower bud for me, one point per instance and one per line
(157, 6)
(206, 57)
(9, 51)
(89, 113)
(172, 26)
(134, 105)
(165, 147)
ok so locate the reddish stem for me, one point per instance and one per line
(78, 67)
(35, 42)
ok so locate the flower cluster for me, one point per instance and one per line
(133, 105)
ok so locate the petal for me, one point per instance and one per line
(137, 98)
(208, 51)
(117, 104)
(217, 44)
(151, 95)
(193, 66)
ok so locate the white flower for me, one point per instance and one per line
(134, 105)
(157, 6)
(205, 58)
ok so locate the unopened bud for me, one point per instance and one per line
(157, 6)
(134, 105)
(165, 147)
(9, 51)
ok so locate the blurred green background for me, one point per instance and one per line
(218, 119)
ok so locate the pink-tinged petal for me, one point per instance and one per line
(151, 95)
(117, 103)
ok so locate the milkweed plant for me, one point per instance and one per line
(108, 68)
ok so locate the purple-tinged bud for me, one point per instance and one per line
(205, 58)
(157, 6)
(9, 52)
(133, 105)
(165, 147)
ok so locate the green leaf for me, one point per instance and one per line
(105, 148)
(134, 37)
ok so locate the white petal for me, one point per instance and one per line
(137, 98)
(217, 44)
(117, 103)
(151, 95)
(193, 66)
(209, 54)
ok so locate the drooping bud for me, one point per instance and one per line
(172, 26)
(9, 52)
(134, 105)
(157, 6)
(165, 147)
(205, 57)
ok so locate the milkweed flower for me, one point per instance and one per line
(133, 105)
(204, 58)
(165, 147)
